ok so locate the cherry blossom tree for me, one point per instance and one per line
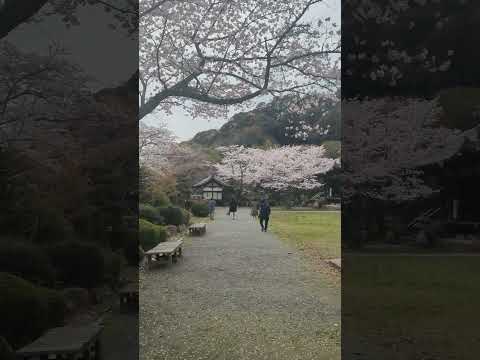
(278, 169)
(293, 167)
(156, 147)
(206, 54)
(37, 89)
(407, 47)
(166, 164)
(387, 141)
(311, 118)
(237, 164)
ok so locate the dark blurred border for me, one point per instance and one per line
(69, 178)
(411, 160)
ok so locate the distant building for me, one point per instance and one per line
(456, 172)
(209, 188)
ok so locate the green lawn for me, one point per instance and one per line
(196, 220)
(315, 231)
(423, 306)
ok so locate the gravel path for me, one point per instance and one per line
(238, 294)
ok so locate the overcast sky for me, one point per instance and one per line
(185, 127)
(110, 56)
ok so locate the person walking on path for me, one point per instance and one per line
(188, 205)
(264, 214)
(211, 208)
(233, 208)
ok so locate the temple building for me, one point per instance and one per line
(209, 188)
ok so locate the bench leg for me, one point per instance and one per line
(149, 262)
(170, 259)
(180, 252)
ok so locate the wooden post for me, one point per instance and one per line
(97, 349)
(455, 209)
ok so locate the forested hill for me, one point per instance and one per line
(268, 125)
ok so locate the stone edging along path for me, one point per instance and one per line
(336, 263)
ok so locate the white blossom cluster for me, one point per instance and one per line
(281, 168)
(386, 143)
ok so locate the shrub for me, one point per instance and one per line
(27, 261)
(27, 310)
(130, 248)
(78, 264)
(56, 305)
(150, 213)
(23, 310)
(171, 230)
(120, 236)
(113, 265)
(159, 198)
(173, 215)
(52, 227)
(186, 217)
(150, 234)
(76, 298)
(200, 209)
(6, 352)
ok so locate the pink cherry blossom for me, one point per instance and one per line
(282, 168)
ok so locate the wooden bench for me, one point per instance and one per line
(129, 297)
(66, 342)
(169, 251)
(197, 229)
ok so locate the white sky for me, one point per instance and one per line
(109, 56)
(185, 127)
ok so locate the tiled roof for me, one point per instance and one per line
(207, 180)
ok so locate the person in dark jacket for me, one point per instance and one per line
(233, 208)
(188, 205)
(211, 208)
(264, 214)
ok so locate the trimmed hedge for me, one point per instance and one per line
(113, 265)
(6, 352)
(27, 261)
(56, 304)
(130, 247)
(150, 213)
(186, 217)
(150, 234)
(78, 264)
(159, 198)
(200, 209)
(173, 215)
(26, 310)
(52, 227)
(76, 298)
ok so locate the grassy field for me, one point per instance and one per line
(316, 232)
(196, 220)
(420, 306)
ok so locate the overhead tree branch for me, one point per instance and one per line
(16, 12)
